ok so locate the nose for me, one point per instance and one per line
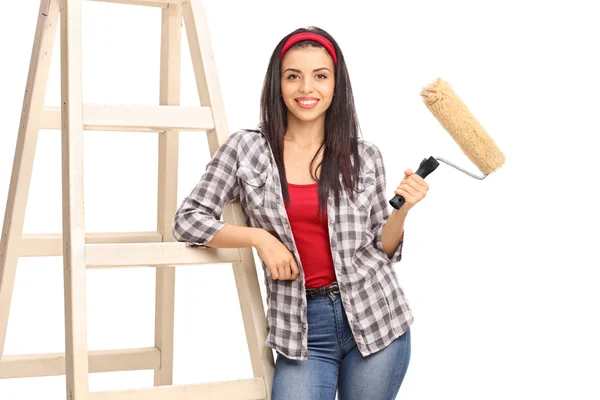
(307, 85)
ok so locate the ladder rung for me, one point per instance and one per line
(52, 364)
(152, 3)
(155, 254)
(244, 389)
(50, 244)
(140, 118)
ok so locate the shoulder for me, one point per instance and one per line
(252, 138)
(369, 153)
(246, 141)
(252, 148)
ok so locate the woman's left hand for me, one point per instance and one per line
(413, 188)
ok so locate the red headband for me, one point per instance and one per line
(303, 36)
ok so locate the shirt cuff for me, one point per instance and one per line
(215, 226)
(377, 240)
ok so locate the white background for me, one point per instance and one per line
(501, 274)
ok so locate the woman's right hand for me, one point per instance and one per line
(277, 257)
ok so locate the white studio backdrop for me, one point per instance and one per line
(501, 274)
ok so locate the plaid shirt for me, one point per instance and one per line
(244, 169)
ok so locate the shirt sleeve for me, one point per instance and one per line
(379, 210)
(197, 220)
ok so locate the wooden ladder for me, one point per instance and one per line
(82, 250)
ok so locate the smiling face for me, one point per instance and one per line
(307, 83)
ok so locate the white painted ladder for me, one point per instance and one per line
(82, 250)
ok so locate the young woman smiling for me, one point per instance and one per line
(315, 202)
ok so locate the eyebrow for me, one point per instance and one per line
(297, 70)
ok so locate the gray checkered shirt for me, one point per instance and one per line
(243, 169)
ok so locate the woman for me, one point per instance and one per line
(336, 316)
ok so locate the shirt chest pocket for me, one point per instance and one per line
(253, 185)
(365, 190)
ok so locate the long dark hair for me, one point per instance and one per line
(341, 124)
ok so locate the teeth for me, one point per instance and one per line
(307, 102)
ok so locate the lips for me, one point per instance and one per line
(307, 102)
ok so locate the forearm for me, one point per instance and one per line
(391, 233)
(236, 236)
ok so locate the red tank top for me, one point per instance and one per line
(310, 234)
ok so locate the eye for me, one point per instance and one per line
(323, 75)
(291, 75)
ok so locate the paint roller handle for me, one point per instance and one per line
(428, 165)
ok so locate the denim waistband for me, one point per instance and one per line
(323, 290)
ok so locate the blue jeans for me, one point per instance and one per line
(335, 363)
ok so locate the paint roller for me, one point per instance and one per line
(462, 126)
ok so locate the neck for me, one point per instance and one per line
(305, 134)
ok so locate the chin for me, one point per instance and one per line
(309, 116)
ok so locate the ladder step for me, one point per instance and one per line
(139, 118)
(52, 364)
(50, 244)
(245, 389)
(155, 255)
(152, 3)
